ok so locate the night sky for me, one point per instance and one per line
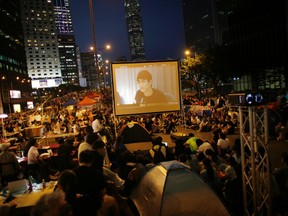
(162, 22)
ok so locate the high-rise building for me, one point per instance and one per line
(205, 24)
(15, 85)
(41, 43)
(258, 34)
(66, 42)
(135, 30)
(88, 69)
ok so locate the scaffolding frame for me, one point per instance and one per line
(256, 173)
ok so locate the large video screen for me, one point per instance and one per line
(146, 87)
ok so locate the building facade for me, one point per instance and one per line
(89, 70)
(49, 43)
(15, 85)
(41, 43)
(135, 30)
(205, 24)
(258, 34)
(66, 42)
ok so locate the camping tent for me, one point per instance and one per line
(170, 188)
(87, 102)
(134, 132)
(70, 102)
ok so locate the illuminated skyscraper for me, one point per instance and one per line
(41, 43)
(66, 42)
(49, 43)
(135, 30)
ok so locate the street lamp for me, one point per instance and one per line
(99, 63)
(187, 52)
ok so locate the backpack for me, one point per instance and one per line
(158, 155)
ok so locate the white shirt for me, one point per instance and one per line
(33, 155)
(204, 146)
(84, 146)
(97, 126)
(224, 144)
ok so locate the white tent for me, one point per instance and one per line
(170, 188)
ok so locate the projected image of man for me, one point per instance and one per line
(146, 94)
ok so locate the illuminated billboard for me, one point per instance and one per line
(47, 83)
(15, 94)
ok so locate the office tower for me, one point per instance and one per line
(15, 85)
(88, 69)
(66, 42)
(135, 30)
(258, 35)
(41, 43)
(205, 24)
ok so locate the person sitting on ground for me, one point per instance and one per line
(191, 142)
(158, 150)
(209, 176)
(223, 145)
(203, 146)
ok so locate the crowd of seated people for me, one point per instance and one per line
(217, 161)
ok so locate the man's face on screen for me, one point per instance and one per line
(144, 84)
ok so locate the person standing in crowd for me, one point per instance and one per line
(81, 204)
(97, 124)
(87, 144)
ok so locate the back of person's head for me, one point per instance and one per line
(144, 75)
(222, 135)
(51, 204)
(69, 140)
(61, 140)
(89, 129)
(207, 163)
(191, 135)
(91, 137)
(32, 141)
(231, 161)
(183, 158)
(199, 142)
(67, 181)
(97, 144)
(201, 156)
(157, 140)
(86, 156)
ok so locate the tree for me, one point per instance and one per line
(193, 74)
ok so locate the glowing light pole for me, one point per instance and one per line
(94, 42)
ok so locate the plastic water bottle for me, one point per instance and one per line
(43, 184)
